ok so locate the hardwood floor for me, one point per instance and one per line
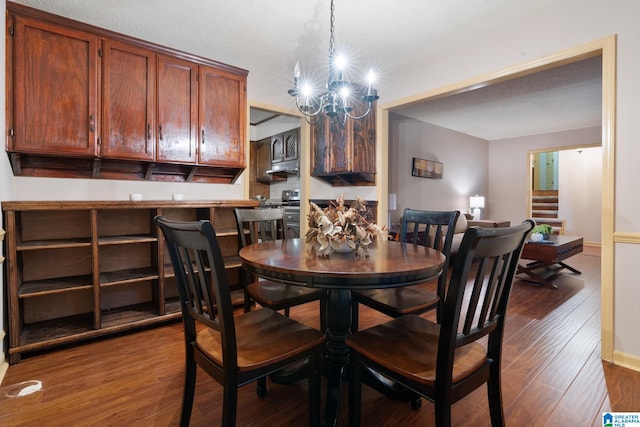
(552, 374)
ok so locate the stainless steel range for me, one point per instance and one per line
(290, 201)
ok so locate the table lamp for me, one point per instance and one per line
(476, 203)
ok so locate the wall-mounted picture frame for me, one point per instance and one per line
(426, 168)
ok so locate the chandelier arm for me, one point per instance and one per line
(307, 113)
(361, 116)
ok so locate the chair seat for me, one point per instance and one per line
(278, 296)
(396, 302)
(257, 333)
(414, 341)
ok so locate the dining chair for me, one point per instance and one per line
(255, 225)
(434, 229)
(446, 361)
(233, 350)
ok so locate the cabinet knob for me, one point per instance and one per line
(203, 136)
(160, 129)
(92, 123)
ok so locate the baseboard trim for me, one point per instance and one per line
(626, 360)
(4, 366)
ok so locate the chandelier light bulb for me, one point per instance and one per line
(307, 90)
(371, 77)
(345, 92)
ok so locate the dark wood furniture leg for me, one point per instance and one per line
(544, 279)
(338, 324)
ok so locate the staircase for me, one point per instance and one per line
(544, 210)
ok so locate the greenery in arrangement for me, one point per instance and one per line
(542, 229)
(338, 226)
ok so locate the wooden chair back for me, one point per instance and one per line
(429, 228)
(478, 293)
(261, 224)
(434, 229)
(205, 295)
(268, 341)
(444, 362)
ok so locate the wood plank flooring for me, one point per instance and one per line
(552, 374)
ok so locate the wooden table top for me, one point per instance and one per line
(558, 245)
(389, 264)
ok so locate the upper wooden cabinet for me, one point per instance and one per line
(128, 95)
(87, 102)
(284, 147)
(345, 154)
(177, 117)
(222, 115)
(55, 89)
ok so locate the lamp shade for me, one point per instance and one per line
(392, 202)
(476, 202)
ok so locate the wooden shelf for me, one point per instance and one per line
(55, 293)
(128, 315)
(123, 240)
(53, 244)
(232, 262)
(127, 276)
(172, 306)
(223, 232)
(56, 285)
(169, 273)
(67, 330)
(61, 328)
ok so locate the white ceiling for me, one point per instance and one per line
(563, 98)
(269, 37)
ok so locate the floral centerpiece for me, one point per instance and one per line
(338, 226)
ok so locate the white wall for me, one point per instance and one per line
(465, 159)
(32, 188)
(509, 168)
(580, 190)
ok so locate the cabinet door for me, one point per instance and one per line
(55, 89)
(263, 158)
(290, 145)
(222, 118)
(128, 102)
(177, 110)
(331, 143)
(345, 154)
(277, 148)
(363, 145)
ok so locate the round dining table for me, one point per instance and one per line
(387, 264)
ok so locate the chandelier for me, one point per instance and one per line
(334, 102)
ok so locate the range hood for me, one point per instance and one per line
(291, 167)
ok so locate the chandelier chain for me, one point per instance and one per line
(332, 40)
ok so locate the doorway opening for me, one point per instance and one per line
(566, 190)
(606, 48)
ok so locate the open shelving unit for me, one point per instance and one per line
(79, 270)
